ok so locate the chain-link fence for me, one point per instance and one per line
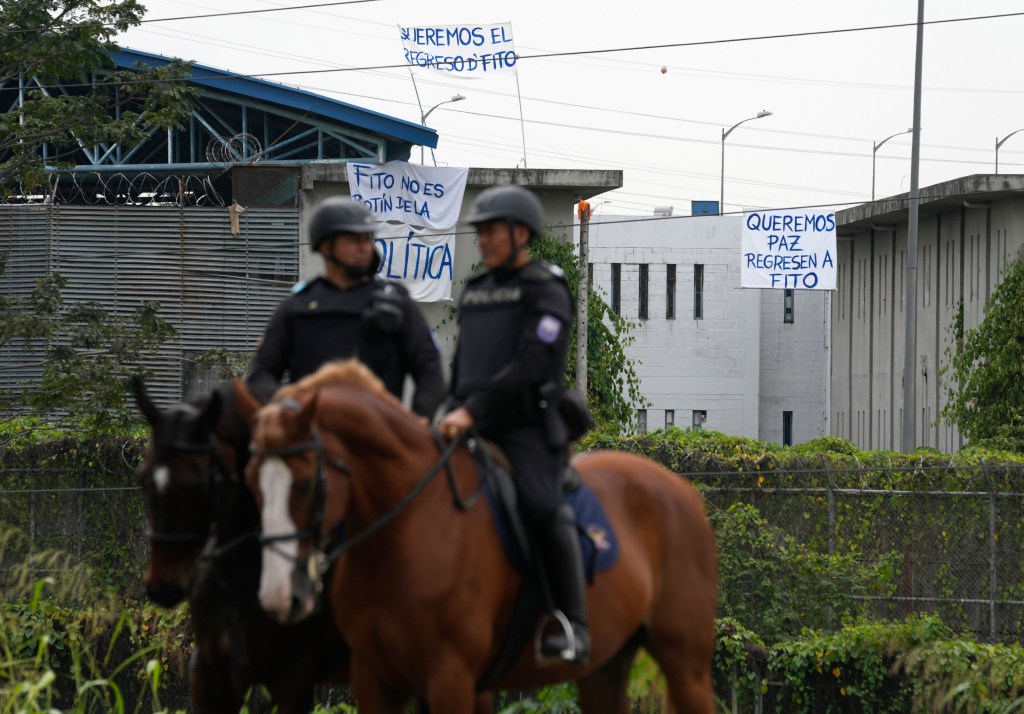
(954, 536)
(84, 502)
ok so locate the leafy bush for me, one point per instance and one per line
(965, 676)
(777, 586)
(67, 644)
(822, 672)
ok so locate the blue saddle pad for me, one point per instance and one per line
(599, 544)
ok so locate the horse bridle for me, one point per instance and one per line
(319, 562)
(319, 493)
(217, 469)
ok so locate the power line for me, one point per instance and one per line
(575, 53)
(79, 25)
(643, 67)
(714, 142)
(254, 12)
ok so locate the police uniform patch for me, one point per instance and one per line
(599, 536)
(548, 329)
(299, 287)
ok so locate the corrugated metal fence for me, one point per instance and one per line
(216, 288)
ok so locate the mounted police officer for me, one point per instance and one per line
(349, 312)
(509, 365)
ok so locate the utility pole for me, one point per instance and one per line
(910, 366)
(582, 291)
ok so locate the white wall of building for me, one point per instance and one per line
(738, 362)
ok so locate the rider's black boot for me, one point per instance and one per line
(563, 563)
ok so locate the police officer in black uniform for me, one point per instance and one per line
(349, 312)
(509, 365)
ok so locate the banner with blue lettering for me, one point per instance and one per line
(419, 259)
(789, 249)
(428, 196)
(467, 51)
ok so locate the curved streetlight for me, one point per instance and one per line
(874, 150)
(721, 197)
(423, 121)
(1000, 142)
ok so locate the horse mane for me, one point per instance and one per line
(346, 373)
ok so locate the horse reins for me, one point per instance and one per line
(195, 537)
(218, 470)
(323, 560)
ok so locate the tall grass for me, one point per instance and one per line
(67, 644)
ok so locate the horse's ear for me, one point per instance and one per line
(206, 422)
(149, 410)
(247, 403)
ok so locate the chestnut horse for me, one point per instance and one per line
(423, 595)
(203, 533)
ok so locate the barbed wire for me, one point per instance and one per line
(240, 147)
(121, 189)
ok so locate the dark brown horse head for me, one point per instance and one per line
(286, 477)
(176, 482)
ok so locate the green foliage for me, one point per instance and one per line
(225, 363)
(986, 367)
(53, 40)
(778, 586)
(555, 699)
(104, 526)
(827, 672)
(965, 676)
(613, 387)
(64, 643)
(86, 355)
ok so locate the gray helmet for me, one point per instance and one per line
(510, 203)
(339, 215)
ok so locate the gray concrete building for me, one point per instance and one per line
(969, 229)
(710, 354)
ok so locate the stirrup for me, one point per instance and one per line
(568, 654)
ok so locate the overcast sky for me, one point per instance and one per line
(831, 95)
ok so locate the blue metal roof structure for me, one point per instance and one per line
(290, 98)
(236, 122)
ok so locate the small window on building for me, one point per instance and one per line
(787, 428)
(590, 275)
(698, 292)
(670, 418)
(788, 300)
(616, 285)
(643, 291)
(700, 417)
(670, 292)
(641, 421)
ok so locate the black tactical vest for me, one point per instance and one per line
(491, 316)
(326, 325)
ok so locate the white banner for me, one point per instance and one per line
(427, 196)
(789, 249)
(468, 51)
(421, 260)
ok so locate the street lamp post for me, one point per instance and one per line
(721, 195)
(423, 120)
(1000, 142)
(874, 152)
